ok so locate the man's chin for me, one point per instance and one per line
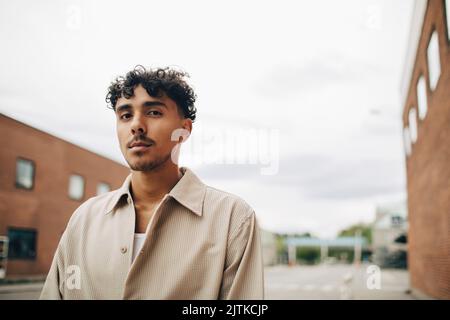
(145, 165)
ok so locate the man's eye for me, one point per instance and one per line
(125, 116)
(154, 113)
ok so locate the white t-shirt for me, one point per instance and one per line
(137, 245)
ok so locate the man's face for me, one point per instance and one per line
(144, 127)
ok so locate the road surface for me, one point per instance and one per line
(297, 282)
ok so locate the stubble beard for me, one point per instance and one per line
(148, 165)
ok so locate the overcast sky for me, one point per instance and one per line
(299, 100)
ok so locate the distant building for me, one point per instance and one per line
(389, 236)
(43, 179)
(426, 131)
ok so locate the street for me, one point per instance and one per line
(338, 281)
(21, 291)
(296, 283)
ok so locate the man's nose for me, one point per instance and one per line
(138, 125)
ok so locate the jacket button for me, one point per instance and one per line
(123, 249)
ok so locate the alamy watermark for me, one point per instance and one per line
(73, 280)
(231, 146)
(373, 281)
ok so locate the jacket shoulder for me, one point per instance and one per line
(238, 210)
(92, 208)
(223, 197)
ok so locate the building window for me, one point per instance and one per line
(434, 62)
(102, 188)
(422, 97)
(24, 174)
(447, 16)
(76, 187)
(407, 141)
(3, 255)
(396, 221)
(22, 243)
(412, 119)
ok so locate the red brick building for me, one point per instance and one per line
(426, 123)
(43, 179)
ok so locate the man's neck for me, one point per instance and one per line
(148, 187)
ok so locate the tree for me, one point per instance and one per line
(366, 231)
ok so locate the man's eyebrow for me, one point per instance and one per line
(154, 103)
(127, 106)
(123, 107)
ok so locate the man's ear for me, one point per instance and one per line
(187, 126)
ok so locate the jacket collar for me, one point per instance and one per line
(189, 192)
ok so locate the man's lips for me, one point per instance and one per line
(137, 146)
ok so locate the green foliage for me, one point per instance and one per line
(308, 255)
(366, 231)
(280, 243)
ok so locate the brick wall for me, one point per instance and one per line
(47, 207)
(428, 168)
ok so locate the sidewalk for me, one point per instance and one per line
(10, 280)
(28, 291)
(21, 287)
(336, 282)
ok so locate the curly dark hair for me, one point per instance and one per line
(156, 82)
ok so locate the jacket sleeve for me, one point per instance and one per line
(55, 277)
(243, 276)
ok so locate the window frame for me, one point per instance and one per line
(84, 187)
(33, 230)
(422, 79)
(414, 132)
(19, 186)
(433, 33)
(447, 19)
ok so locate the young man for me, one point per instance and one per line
(164, 234)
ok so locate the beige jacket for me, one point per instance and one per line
(201, 243)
